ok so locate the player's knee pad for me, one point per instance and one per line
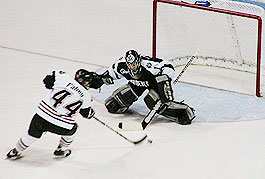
(178, 111)
(121, 99)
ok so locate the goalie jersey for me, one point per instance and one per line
(149, 70)
(64, 100)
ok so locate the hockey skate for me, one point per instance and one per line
(59, 153)
(13, 154)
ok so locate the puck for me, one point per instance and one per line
(120, 125)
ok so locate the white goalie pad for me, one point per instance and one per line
(121, 99)
(178, 111)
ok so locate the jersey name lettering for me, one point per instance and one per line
(140, 83)
(75, 88)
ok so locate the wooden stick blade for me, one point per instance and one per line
(140, 140)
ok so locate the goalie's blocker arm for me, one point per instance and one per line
(164, 88)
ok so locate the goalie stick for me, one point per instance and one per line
(149, 117)
(185, 67)
(129, 140)
(141, 126)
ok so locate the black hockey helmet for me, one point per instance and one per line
(88, 79)
(133, 62)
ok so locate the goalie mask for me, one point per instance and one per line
(133, 62)
(88, 79)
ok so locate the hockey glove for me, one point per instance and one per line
(106, 78)
(96, 81)
(87, 112)
(49, 80)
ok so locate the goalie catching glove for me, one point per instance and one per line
(96, 81)
(106, 78)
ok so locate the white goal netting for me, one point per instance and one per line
(228, 35)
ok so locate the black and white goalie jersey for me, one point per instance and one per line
(150, 68)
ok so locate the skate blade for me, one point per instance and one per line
(13, 159)
(60, 157)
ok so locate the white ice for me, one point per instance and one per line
(225, 141)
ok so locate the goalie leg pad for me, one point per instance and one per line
(121, 99)
(151, 99)
(114, 106)
(181, 112)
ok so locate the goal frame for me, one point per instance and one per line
(224, 11)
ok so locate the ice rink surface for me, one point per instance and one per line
(225, 141)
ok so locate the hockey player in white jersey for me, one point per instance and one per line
(57, 111)
(145, 73)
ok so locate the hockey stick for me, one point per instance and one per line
(149, 117)
(185, 67)
(129, 140)
(141, 126)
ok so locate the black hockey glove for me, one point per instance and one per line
(87, 112)
(106, 78)
(96, 81)
(49, 80)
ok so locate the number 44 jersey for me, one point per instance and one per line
(64, 100)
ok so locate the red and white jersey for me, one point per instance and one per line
(61, 104)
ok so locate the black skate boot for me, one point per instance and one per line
(13, 154)
(62, 153)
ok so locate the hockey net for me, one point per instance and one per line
(228, 34)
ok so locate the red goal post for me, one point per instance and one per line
(258, 50)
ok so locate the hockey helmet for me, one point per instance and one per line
(133, 62)
(88, 79)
